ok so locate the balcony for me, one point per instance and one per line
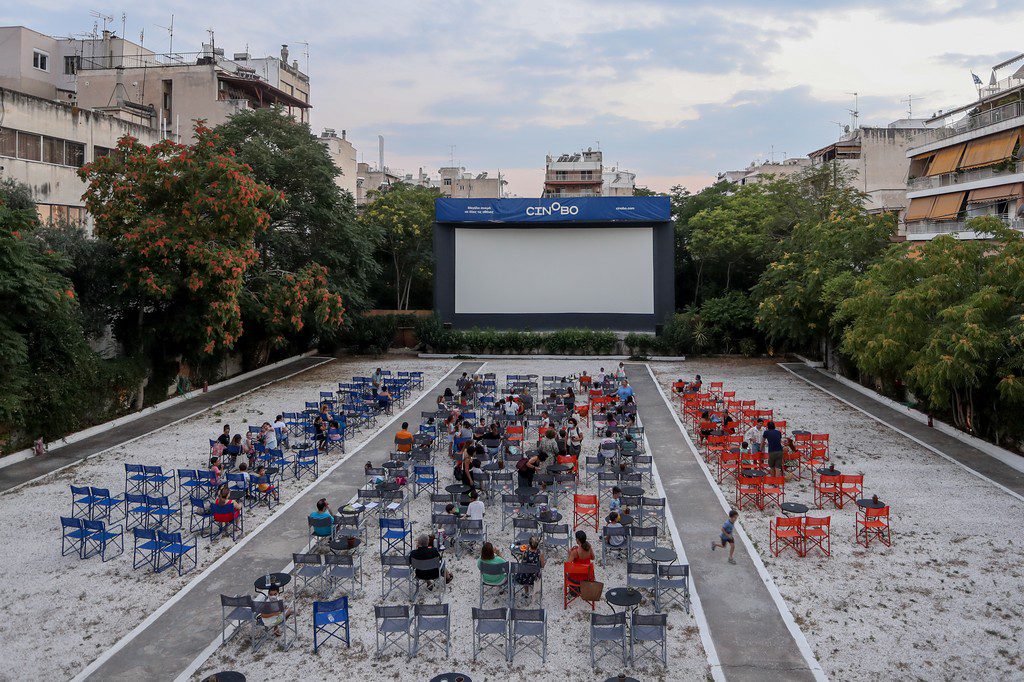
(981, 119)
(961, 177)
(926, 229)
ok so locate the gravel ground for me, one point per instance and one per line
(944, 602)
(64, 611)
(568, 630)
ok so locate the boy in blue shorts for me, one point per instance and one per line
(725, 537)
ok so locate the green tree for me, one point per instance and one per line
(402, 217)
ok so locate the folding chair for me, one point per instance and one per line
(642, 576)
(137, 510)
(393, 623)
(156, 479)
(335, 441)
(490, 630)
(309, 568)
(641, 538)
(307, 462)
(321, 531)
(145, 548)
(556, 535)
(510, 506)
(827, 489)
(873, 524)
(673, 583)
(592, 466)
(81, 502)
(104, 505)
(773, 490)
(341, 569)
(135, 479)
(524, 529)
(471, 532)
(173, 552)
(501, 483)
(574, 575)
(817, 533)
(528, 632)
(586, 509)
(436, 564)
(99, 536)
(242, 612)
(226, 520)
(499, 571)
(331, 621)
(166, 515)
(73, 535)
(607, 632)
(517, 588)
(424, 478)
(851, 487)
(748, 489)
(264, 626)
(432, 618)
(607, 533)
(653, 509)
(395, 535)
(785, 532)
(396, 574)
(648, 634)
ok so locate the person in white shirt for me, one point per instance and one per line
(510, 407)
(281, 428)
(599, 377)
(269, 437)
(475, 510)
(754, 435)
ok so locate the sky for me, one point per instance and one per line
(675, 91)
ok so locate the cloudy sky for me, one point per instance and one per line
(672, 90)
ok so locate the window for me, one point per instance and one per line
(53, 150)
(586, 175)
(71, 65)
(8, 142)
(30, 147)
(74, 154)
(448, 181)
(99, 152)
(40, 60)
(168, 96)
(561, 175)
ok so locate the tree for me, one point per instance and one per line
(316, 222)
(402, 217)
(183, 221)
(684, 207)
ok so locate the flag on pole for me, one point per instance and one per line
(977, 81)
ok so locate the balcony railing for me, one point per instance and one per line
(960, 177)
(958, 225)
(982, 119)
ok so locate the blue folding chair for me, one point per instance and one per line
(424, 477)
(307, 461)
(199, 516)
(335, 440)
(135, 479)
(156, 479)
(144, 547)
(99, 537)
(330, 621)
(188, 482)
(226, 519)
(104, 505)
(137, 510)
(395, 534)
(72, 538)
(175, 552)
(163, 512)
(81, 502)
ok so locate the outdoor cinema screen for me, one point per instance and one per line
(554, 270)
(540, 264)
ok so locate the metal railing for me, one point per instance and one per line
(982, 119)
(960, 177)
(958, 225)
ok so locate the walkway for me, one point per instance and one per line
(749, 633)
(967, 455)
(168, 644)
(22, 472)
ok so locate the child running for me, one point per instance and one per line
(725, 537)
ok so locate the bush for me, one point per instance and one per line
(748, 347)
(371, 334)
(437, 339)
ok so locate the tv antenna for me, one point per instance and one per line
(305, 52)
(451, 155)
(170, 34)
(910, 104)
(855, 112)
(209, 32)
(106, 18)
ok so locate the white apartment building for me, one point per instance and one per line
(759, 172)
(343, 154)
(574, 175)
(972, 167)
(617, 183)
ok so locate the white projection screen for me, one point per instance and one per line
(554, 270)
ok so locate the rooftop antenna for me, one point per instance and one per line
(910, 104)
(855, 112)
(170, 33)
(107, 19)
(841, 130)
(305, 52)
(771, 153)
(142, 36)
(124, 18)
(451, 155)
(209, 31)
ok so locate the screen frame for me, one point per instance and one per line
(663, 238)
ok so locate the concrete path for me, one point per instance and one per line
(22, 472)
(970, 457)
(750, 635)
(179, 633)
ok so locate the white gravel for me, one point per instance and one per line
(568, 630)
(944, 602)
(62, 612)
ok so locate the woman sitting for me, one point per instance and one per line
(532, 556)
(582, 553)
(489, 555)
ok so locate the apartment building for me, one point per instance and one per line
(617, 183)
(759, 172)
(972, 167)
(454, 181)
(369, 179)
(343, 154)
(876, 155)
(574, 175)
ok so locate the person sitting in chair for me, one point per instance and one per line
(276, 611)
(426, 552)
(323, 511)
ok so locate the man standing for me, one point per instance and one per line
(754, 435)
(772, 443)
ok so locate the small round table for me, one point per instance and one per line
(632, 491)
(342, 546)
(225, 676)
(451, 677)
(560, 468)
(868, 503)
(794, 508)
(392, 464)
(828, 471)
(622, 678)
(551, 516)
(388, 487)
(753, 473)
(625, 598)
(279, 579)
(661, 555)
(800, 432)
(456, 489)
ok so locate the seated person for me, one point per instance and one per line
(215, 468)
(582, 553)
(613, 522)
(384, 398)
(272, 608)
(489, 555)
(706, 426)
(616, 503)
(475, 510)
(225, 437)
(261, 471)
(269, 436)
(323, 511)
(425, 551)
(224, 500)
(534, 556)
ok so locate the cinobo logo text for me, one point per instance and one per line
(554, 209)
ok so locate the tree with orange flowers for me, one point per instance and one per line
(183, 219)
